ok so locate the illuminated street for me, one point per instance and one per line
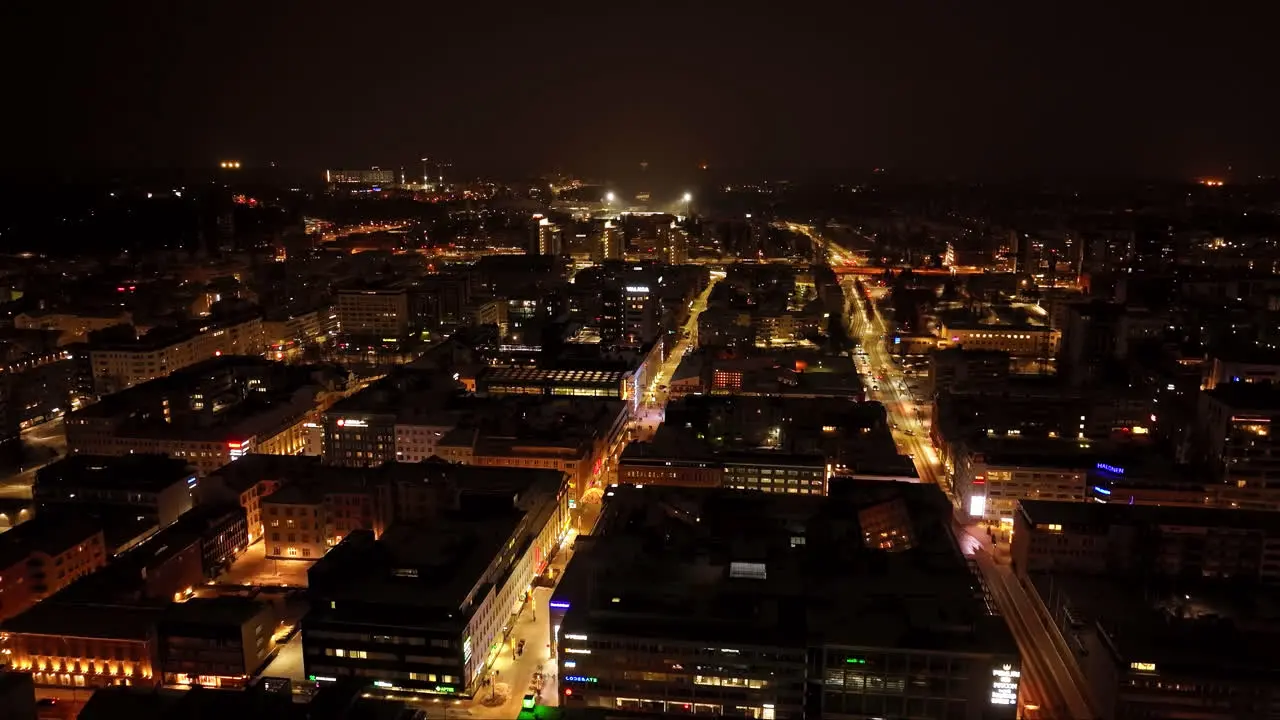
(650, 414)
(49, 441)
(886, 384)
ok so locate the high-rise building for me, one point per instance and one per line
(374, 312)
(673, 241)
(612, 241)
(374, 176)
(546, 238)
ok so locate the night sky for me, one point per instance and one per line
(507, 88)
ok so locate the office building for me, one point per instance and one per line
(747, 621)
(1234, 424)
(955, 368)
(155, 486)
(1032, 341)
(374, 311)
(374, 177)
(423, 608)
(214, 642)
(1164, 609)
(990, 477)
(1122, 540)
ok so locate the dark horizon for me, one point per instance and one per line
(595, 90)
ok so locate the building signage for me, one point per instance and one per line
(349, 422)
(1004, 685)
(1113, 469)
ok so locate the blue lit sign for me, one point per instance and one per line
(579, 678)
(1113, 469)
(559, 605)
(1101, 490)
(897, 340)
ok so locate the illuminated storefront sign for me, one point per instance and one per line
(1004, 685)
(348, 422)
(978, 506)
(1143, 667)
(637, 288)
(579, 678)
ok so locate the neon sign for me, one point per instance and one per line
(1113, 469)
(1004, 685)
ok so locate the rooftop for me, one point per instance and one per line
(1204, 630)
(1101, 515)
(1259, 397)
(610, 378)
(723, 566)
(228, 610)
(142, 473)
(56, 616)
(50, 532)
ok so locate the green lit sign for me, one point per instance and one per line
(527, 703)
(856, 661)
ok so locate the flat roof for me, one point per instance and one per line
(143, 473)
(225, 610)
(1183, 627)
(609, 378)
(1105, 514)
(111, 621)
(51, 532)
(763, 569)
(1260, 397)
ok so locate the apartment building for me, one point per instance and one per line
(45, 554)
(117, 366)
(209, 414)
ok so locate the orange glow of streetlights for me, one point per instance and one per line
(229, 164)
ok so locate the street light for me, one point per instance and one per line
(608, 197)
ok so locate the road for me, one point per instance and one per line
(652, 409)
(1054, 687)
(50, 441)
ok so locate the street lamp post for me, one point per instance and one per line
(688, 199)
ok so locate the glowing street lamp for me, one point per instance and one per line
(608, 197)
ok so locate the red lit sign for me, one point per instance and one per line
(234, 445)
